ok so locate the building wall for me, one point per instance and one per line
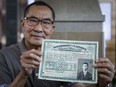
(88, 26)
(78, 19)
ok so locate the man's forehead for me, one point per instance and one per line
(39, 8)
(40, 11)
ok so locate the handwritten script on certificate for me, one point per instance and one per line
(62, 60)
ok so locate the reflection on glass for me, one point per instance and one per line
(30, 1)
(106, 10)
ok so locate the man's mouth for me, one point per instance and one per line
(37, 36)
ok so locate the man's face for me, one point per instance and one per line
(34, 31)
(85, 67)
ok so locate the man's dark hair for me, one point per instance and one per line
(39, 3)
(85, 63)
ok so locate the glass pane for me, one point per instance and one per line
(106, 10)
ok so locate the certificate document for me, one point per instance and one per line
(62, 60)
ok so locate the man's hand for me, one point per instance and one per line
(105, 70)
(30, 60)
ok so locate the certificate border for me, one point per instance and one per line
(70, 42)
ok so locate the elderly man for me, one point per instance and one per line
(19, 63)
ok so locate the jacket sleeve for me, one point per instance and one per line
(5, 76)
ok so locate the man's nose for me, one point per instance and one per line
(39, 27)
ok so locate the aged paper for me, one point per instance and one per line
(62, 60)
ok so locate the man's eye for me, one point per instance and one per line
(33, 20)
(47, 22)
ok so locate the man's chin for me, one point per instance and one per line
(37, 42)
(37, 45)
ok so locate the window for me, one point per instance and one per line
(106, 10)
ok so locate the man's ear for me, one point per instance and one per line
(22, 22)
(22, 25)
(53, 28)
